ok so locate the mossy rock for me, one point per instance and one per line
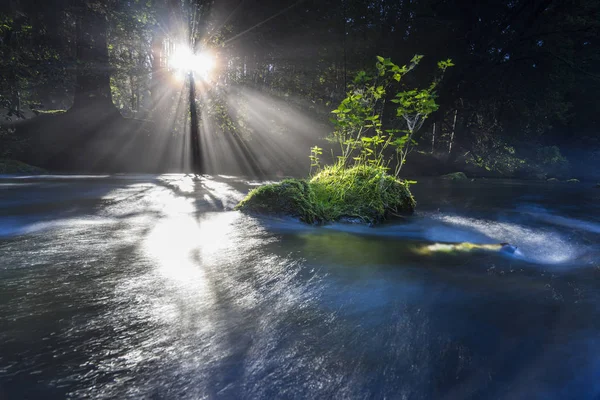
(291, 197)
(365, 194)
(455, 176)
(572, 180)
(8, 166)
(552, 180)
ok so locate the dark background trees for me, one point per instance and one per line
(522, 94)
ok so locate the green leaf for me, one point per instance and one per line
(416, 59)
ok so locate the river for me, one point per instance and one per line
(139, 286)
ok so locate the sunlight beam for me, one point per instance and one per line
(184, 60)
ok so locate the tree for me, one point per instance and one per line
(528, 70)
(362, 132)
(92, 85)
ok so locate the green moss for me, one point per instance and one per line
(8, 166)
(552, 180)
(572, 180)
(291, 197)
(455, 176)
(364, 193)
(50, 112)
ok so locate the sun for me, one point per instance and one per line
(183, 60)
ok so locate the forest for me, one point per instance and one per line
(300, 199)
(89, 85)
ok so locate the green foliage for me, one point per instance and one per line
(357, 186)
(551, 160)
(364, 193)
(455, 176)
(291, 197)
(315, 162)
(517, 82)
(360, 133)
(130, 37)
(10, 143)
(214, 106)
(493, 153)
(27, 64)
(8, 166)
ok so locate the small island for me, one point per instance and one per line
(358, 194)
(363, 185)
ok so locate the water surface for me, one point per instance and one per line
(152, 287)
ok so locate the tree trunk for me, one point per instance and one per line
(433, 139)
(453, 131)
(157, 90)
(92, 85)
(197, 167)
(344, 50)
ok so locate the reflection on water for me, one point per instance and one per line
(537, 244)
(150, 287)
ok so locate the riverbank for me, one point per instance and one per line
(8, 166)
(72, 142)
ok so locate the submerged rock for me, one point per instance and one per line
(455, 176)
(572, 180)
(467, 247)
(17, 167)
(359, 194)
(552, 180)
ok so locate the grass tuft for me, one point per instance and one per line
(291, 197)
(365, 193)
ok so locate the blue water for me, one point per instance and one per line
(152, 287)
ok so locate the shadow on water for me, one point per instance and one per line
(149, 287)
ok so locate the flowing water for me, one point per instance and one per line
(152, 287)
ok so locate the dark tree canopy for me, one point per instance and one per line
(521, 93)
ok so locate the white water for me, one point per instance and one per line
(139, 287)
